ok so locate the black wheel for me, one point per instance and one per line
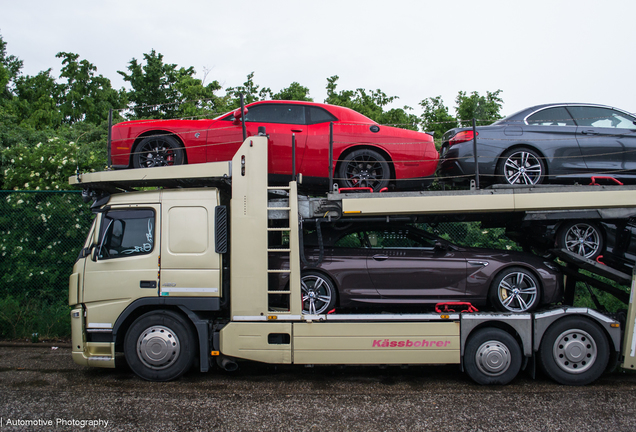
(521, 166)
(318, 293)
(158, 150)
(582, 238)
(574, 351)
(160, 346)
(364, 168)
(492, 356)
(515, 290)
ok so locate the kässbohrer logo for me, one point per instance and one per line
(388, 343)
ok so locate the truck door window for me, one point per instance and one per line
(126, 233)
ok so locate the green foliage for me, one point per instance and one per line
(436, 118)
(485, 109)
(162, 91)
(250, 92)
(22, 317)
(35, 99)
(371, 104)
(85, 96)
(294, 92)
(48, 164)
(9, 69)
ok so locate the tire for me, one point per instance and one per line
(160, 346)
(574, 351)
(582, 238)
(318, 293)
(364, 168)
(492, 356)
(521, 166)
(515, 289)
(158, 150)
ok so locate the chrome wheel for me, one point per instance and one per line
(574, 351)
(523, 167)
(517, 291)
(583, 239)
(492, 358)
(158, 347)
(318, 294)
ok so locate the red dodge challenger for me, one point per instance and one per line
(365, 153)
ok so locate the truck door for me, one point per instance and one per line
(123, 265)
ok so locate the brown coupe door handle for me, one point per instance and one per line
(380, 257)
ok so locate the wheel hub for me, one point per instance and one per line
(575, 351)
(493, 358)
(158, 347)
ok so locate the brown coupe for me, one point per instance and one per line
(389, 266)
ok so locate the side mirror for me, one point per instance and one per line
(238, 115)
(439, 245)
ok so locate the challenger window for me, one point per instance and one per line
(557, 116)
(126, 233)
(276, 113)
(318, 115)
(602, 117)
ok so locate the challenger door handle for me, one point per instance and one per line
(380, 257)
(589, 132)
(297, 130)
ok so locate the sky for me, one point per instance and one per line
(535, 52)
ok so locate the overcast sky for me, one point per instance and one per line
(534, 51)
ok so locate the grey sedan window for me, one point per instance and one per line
(557, 116)
(601, 117)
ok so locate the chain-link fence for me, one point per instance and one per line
(41, 234)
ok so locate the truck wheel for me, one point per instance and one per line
(318, 293)
(159, 346)
(582, 238)
(364, 168)
(158, 150)
(492, 356)
(574, 351)
(515, 290)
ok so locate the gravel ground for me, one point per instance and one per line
(41, 384)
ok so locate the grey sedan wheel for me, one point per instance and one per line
(318, 293)
(521, 166)
(582, 238)
(515, 290)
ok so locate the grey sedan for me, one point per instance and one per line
(562, 143)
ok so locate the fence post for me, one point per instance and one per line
(110, 138)
(243, 117)
(330, 156)
(293, 157)
(475, 152)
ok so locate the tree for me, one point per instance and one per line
(294, 92)
(35, 101)
(250, 92)
(485, 109)
(85, 96)
(10, 67)
(371, 104)
(436, 117)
